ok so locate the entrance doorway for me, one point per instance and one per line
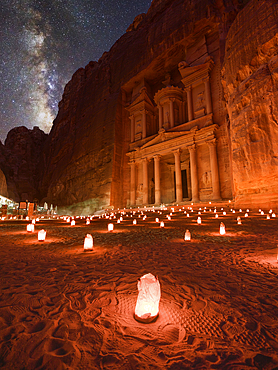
(184, 184)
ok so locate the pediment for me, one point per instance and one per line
(162, 137)
(142, 99)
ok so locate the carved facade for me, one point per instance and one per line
(171, 130)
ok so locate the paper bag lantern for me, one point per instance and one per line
(161, 224)
(41, 235)
(110, 227)
(88, 243)
(222, 230)
(199, 220)
(187, 235)
(30, 228)
(238, 220)
(147, 305)
(134, 222)
(72, 223)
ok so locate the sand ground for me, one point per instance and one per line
(63, 308)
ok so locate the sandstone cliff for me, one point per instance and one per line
(84, 159)
(19, 159)
(250, 79)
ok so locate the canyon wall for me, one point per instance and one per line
(84, 161)
(250, 80)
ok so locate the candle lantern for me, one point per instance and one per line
(161, 224)
(134, 222)
(224, 213)
(268, 217)
(118, 221)
(199, 220)
(187, 215)
(110, 227)
(238, 220)
(273, 215)
(147, 305)
(33, 221)
(27, 218)
(216, 215)
(246, 214)
(88, 222)
(262, 213)
(72, 223)
(187, 235)
(222, 230)
(30, 228)
(157, 219)
(88, 243)
(41, 235)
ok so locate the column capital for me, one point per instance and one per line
(172, 99)
(188, 89)
(131, 116)
(132, 162)
(206, 79)
(211, 143)
(177, 152)
(156, 157)
(192, 148)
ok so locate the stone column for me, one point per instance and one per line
(177, 154)
(160, 111)
(189, 103)
(132, 183)
(194, 173)
(214, 170)
(132, 128)
(144, 124)
(172, 115)
(157, 191)
(208, 95)
(145, 182)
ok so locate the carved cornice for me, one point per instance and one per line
(193, 76)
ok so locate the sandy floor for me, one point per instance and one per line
(63, 308)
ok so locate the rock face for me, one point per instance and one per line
(19, 160)
(183, 106)
(250, 79)
(85, 160)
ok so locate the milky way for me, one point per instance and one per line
(43, 42)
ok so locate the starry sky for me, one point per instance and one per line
(43, 42)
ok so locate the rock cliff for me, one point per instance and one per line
(19, 162)
(84, 160)
(250, 76)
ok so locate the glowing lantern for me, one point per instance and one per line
(240, 210)
(41, 235)
(134, 222)
(199, 213)
(234, 211)
(187, 235)
(199, 220)
(268, 217)
(88, 222)
(27, 218)
(88, 243)
(224, 213)
(157, 219)
(110, 227)
(222, 230)
(33, 221)
(238, 220)
(247, 210)
(216, 216)
(147, 305)
(270, 211)
(187, 215)
(161, 224)
(72, 223)
(262, 213)
(273, 215)
(30, 228)
(118, 221)
(68, 219)
(246, 215)
(169, 218)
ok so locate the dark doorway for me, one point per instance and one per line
(184, 184)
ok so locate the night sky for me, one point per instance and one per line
(43, 42)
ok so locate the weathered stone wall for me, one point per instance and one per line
(250, 79)
(19, 161)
